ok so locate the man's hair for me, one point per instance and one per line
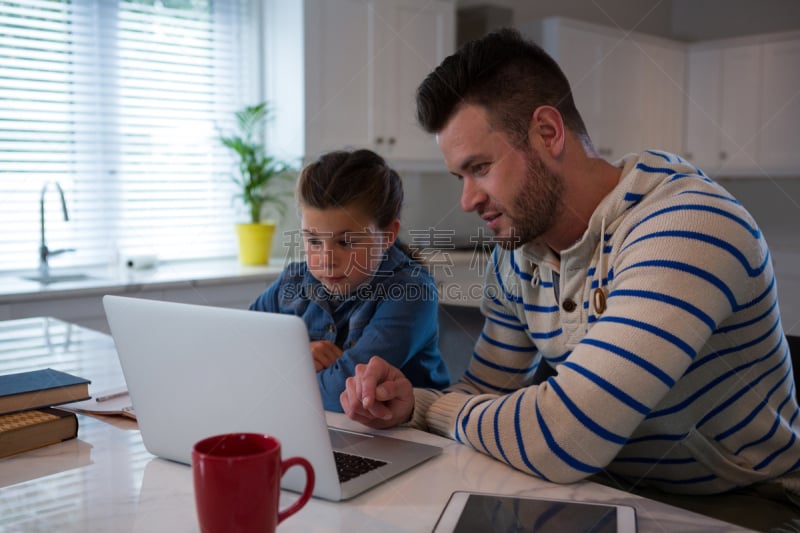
(505, 74)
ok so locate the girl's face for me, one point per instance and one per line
(343, 246)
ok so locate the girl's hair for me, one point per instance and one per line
(359, 178)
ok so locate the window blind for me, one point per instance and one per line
(121, 103)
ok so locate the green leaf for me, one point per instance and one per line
(259, 175)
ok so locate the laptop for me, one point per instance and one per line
(194, 371)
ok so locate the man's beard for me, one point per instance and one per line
(535, 206)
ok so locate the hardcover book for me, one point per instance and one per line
(28, 430)
(24, 391)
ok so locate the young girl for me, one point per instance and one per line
(359, 292)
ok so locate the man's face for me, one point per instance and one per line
(510, 188)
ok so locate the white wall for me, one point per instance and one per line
(647, 16)
(696, 20)
(690, 20)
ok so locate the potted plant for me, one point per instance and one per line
(258, 179)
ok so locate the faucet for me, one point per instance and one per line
(44, 251)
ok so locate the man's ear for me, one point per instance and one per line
(390, 233)
(546, 130)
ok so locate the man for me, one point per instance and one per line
(645, 285)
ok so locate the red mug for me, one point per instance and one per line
(237, 483)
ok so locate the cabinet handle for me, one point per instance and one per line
(379, 140)
(688, 156)
(723, 155)
(391, 141)
(604, 151)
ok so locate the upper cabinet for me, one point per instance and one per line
(722, 108)
(742, 106)
(779, 141)
(364, 60)
(344, 73)
(628, 87)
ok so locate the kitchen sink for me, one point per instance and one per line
(47, 279)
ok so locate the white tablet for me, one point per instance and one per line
(472, 512)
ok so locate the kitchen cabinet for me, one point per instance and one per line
(779, 138)
(742, 106)
(628, 87)
(661, 95)
(722, 108)
(363, 62)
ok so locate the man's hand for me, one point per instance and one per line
(324, 353)
(379, 395)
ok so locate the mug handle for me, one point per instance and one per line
(296, 506)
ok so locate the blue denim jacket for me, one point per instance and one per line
(394, 316)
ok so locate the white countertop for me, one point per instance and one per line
(459, 276)
(120, 280)
(106, 480)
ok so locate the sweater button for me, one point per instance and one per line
(331, 329)
(569, 306)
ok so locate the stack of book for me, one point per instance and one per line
(27, 417)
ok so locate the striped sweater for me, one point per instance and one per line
(682, 381)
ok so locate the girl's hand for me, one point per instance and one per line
(324, 353)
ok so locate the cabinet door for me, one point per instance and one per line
(628, 88)
(581, 56)
(740, 112)
(620, 127)
(412, 38)
(340, 63)
(661, 97)
(779, 141)
(364, 61)
(595, 65)
(703, 108)
(723, 119)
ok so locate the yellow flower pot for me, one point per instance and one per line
(255, 242)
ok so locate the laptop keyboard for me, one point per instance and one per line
(351, 466)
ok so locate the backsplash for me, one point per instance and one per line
(433, 200)
(432, 214)
(775, 204)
